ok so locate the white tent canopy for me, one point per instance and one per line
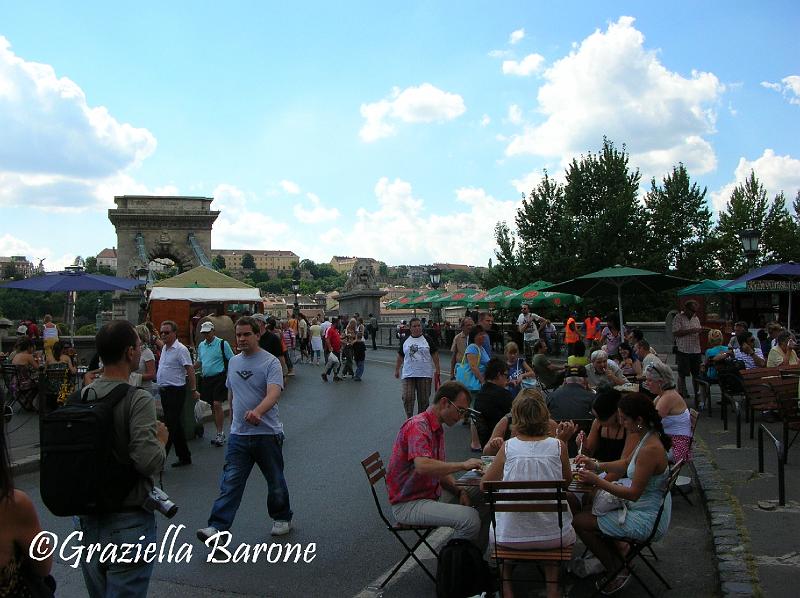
(203, 295)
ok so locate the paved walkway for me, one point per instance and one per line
(755, 540)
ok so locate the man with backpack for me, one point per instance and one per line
(213, 354)
(137, 446)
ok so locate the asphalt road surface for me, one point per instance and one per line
(329, 429)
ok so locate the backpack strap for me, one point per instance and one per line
(224, 357)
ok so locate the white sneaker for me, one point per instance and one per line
(281, 528)
(219, 440)
(205, 533)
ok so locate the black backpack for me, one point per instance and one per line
(79, 474)
(461, 571)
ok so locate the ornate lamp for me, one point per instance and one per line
(750, 239)
(296, 289)
(435, 275)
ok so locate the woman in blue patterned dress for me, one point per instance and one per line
(648, 469)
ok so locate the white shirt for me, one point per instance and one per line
(417, 361)
(324, 327)
(172, 365)
(532, 332)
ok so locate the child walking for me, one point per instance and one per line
(360, 355)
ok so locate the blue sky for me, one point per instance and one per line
(402, 133)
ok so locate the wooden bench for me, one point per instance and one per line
(758, 393)
(785, 394)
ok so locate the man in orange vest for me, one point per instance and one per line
(571, 334)
(591, 326)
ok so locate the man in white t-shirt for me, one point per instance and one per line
(528, 325)
(418, 359)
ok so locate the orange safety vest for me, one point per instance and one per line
(591, 328)
(571, 336)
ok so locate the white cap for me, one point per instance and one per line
(22, 329)
(206, 327)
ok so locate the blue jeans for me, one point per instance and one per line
(242, 453)
(118, 580)
(359, 369)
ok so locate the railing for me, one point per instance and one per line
(780, 449)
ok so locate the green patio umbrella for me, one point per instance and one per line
(401, 302)
(493, 296)
(712, 287)
(457, 297)
(610, 281)
(537, 299)
(424, 299)
(513, 299)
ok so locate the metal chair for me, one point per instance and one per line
(637, 547)
(21, 385)
(375, 471)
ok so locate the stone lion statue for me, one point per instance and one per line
(362, 277)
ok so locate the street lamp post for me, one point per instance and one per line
(296, 289)
(750, 239)
(435, 275)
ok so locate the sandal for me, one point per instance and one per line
(615, 586)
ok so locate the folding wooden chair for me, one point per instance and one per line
(637, 547)
(528, 497)
(373, 467)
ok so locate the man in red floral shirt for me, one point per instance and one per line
(418, 470)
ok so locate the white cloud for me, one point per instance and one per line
(776, 173)
(10, 245)
(485, 120)
(290, 187)
(516, 36)
(56, 149)
(789, 87)
(499, 53)
(611, 85)
(527, 182)
(529, 65)
(423, 104)
(318, 214)
(514, 114)
(399, 211)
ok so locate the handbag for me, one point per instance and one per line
(465, 375)
(604, 502)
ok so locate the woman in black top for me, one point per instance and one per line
(607, 439)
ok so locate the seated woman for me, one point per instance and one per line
(715, 353)
(23, 354)
(19, 525)
(532, 455)
(577, 355)
(608, 440)
(59, 355)
(27, 372)
(493, 399)
(675, 415)
(782, 354)
(518, 369)
(648, 469)
(631, 367)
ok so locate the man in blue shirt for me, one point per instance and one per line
(213, 355)
(255, 382)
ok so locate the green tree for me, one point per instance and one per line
(746, 209)
(601, 208)
(507, 270)
(383, 270)
(90, 264)
(259, 276)
(679, 223)
(310, 267)
(781, 233)
(326, 271)
(219, 262)
(248, 262)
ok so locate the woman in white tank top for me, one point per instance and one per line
(532, 455)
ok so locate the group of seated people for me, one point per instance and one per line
(27, 362)
(632, 437)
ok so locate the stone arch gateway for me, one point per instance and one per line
(151, 227)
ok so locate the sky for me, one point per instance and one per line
(399, 131)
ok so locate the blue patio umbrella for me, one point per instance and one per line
(72, 282)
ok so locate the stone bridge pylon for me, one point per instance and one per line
(151, 227)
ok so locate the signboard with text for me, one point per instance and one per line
(771, 285)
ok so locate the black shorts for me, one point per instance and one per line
(213, 390)
(688, 363)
